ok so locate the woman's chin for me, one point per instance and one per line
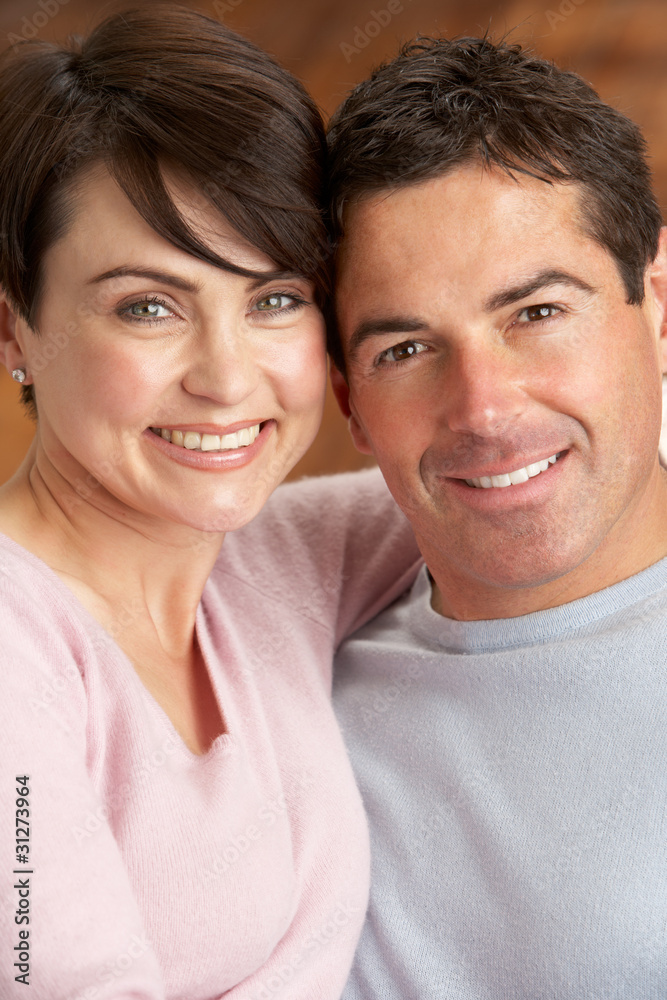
(221, 519)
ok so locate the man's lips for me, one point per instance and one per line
(506, 495)
(464, 467)
(514, 476)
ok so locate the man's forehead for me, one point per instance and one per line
(463, 245)
(418, 202)
(458, 225)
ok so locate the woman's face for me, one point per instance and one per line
(167, 386)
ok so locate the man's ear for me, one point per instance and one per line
(658, 280)
(341, 391)
(11, 354)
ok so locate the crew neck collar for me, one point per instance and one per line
(537, 627)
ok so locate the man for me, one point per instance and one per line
(501, 310)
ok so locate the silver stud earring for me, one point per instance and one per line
(19, 375)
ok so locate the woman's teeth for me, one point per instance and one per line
(513, 478)
(194, 441)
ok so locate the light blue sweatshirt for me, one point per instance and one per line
(514, 773)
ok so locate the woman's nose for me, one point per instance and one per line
(223, 369)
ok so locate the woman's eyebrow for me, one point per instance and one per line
(167, 278)
(265, 276)
(161, 277)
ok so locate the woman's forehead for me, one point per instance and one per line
(103, 221)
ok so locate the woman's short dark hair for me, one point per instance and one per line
(157, 88)
(443, 103)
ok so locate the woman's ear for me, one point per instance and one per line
(11, 354)
(341, 391)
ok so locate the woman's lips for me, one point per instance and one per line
(231, 455)
(195, 441)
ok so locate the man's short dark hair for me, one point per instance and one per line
(443, 103)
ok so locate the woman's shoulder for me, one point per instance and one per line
(40, 618)
(309, 524)
(24, 573)
(324, 512)
(333, 543)
(23, 576)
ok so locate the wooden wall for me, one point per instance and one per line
(618, 45)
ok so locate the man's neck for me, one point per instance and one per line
(637, 541)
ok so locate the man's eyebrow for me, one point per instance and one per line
(542, 279)
(389, 324)
(410, 324)
(160, 277)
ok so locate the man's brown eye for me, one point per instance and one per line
(536, 313)
(403, 351)
(400, 352)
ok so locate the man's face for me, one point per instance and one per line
(510, 394)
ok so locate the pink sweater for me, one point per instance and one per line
(154, 873)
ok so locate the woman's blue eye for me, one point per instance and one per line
(148, 309)
(278, 301)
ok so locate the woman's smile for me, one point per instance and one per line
(211, 451)
(210, 370)
(227, 440)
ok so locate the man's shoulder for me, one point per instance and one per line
(606, 625)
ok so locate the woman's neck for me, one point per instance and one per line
(120, 563)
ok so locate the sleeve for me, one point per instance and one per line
(338, 548)
(69, 922)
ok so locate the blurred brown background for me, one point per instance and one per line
(618, 45)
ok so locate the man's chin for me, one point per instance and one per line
(516, 576)
(506, 572)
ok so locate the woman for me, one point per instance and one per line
(182, 818)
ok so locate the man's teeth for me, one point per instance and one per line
(194, 441)
(513, 478)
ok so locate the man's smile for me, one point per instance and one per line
(514, 478)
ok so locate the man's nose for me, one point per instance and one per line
(485, 390)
